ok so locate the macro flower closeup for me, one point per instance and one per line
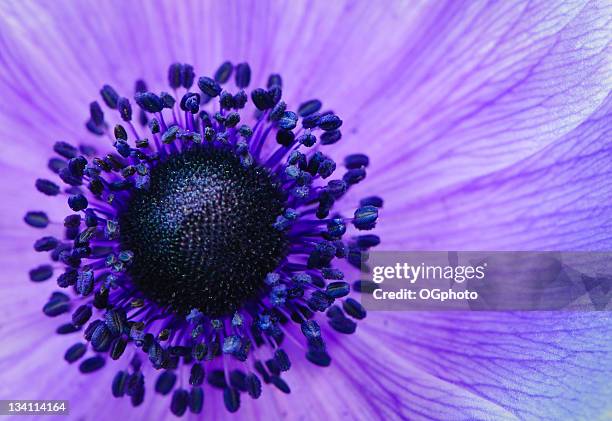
(190, 189)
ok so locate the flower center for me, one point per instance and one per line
(202, 234)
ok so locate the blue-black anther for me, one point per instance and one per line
(41, 273)
(117, 348)
(243, 75)
(75, 352)
(275, 93)
(120, 133)
(116, 321)
(311, 121)
(192, 103)
(77, 202)
(240, 100)
(285, 137)
(231, 398)
(196, 400)
(209, 86)
(282, 360)
(343, 325)
(288, 121)
(224, 72)
(307, 139)
(96, 113)
(119, 384)
(354, 309)
(356, 161)
(329, 122)
(187, 76)
(167, 100)
(77, 165)
(110, 96)
(92, 364)
(125, 108)
(56, 307)
(36, 219)
(47, 243)
(66, 329)
(309, 107)
(327, 168)
(56, 164)
(280, 384)
(174, 75)
(337, 289)
(311, 329)
(85, 282)
(180, 400)
(226, 100)
(65, 149)
(81, 315)
(331, 137)
(318, 357)
(261, 98)
(274, 80)
(372, 201)
(232, 119)
(368, 241)
(365, 217)
(154, 126)
(278, 111)
(354, 176)
(165, 382)
(149, 102)
(196, 376)
(101, 338)
(253, 385)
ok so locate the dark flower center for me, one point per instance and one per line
(202, 234)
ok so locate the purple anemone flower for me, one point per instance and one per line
(200, 181)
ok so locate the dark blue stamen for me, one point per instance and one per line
(65, 149)
(365, 217)
(46, 243)
(110, 96)
(356, 161)
(187, 76)
(231, 398)
(180, 400)
(329, 122)
(75, 352)
(224, 72)
(262, 99)
(354, 309)
(92, 364)
(41, 273)
(119, 384)
(36, 219)
(243, 75)
(96, 113)
(209, 86)
(196, 400)
(175, 75)
(165, 382)
(149, 102)
(309, 107)
(81, 315)
(77, 202)
(331, 137)
(274, 80)
(125, 108)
